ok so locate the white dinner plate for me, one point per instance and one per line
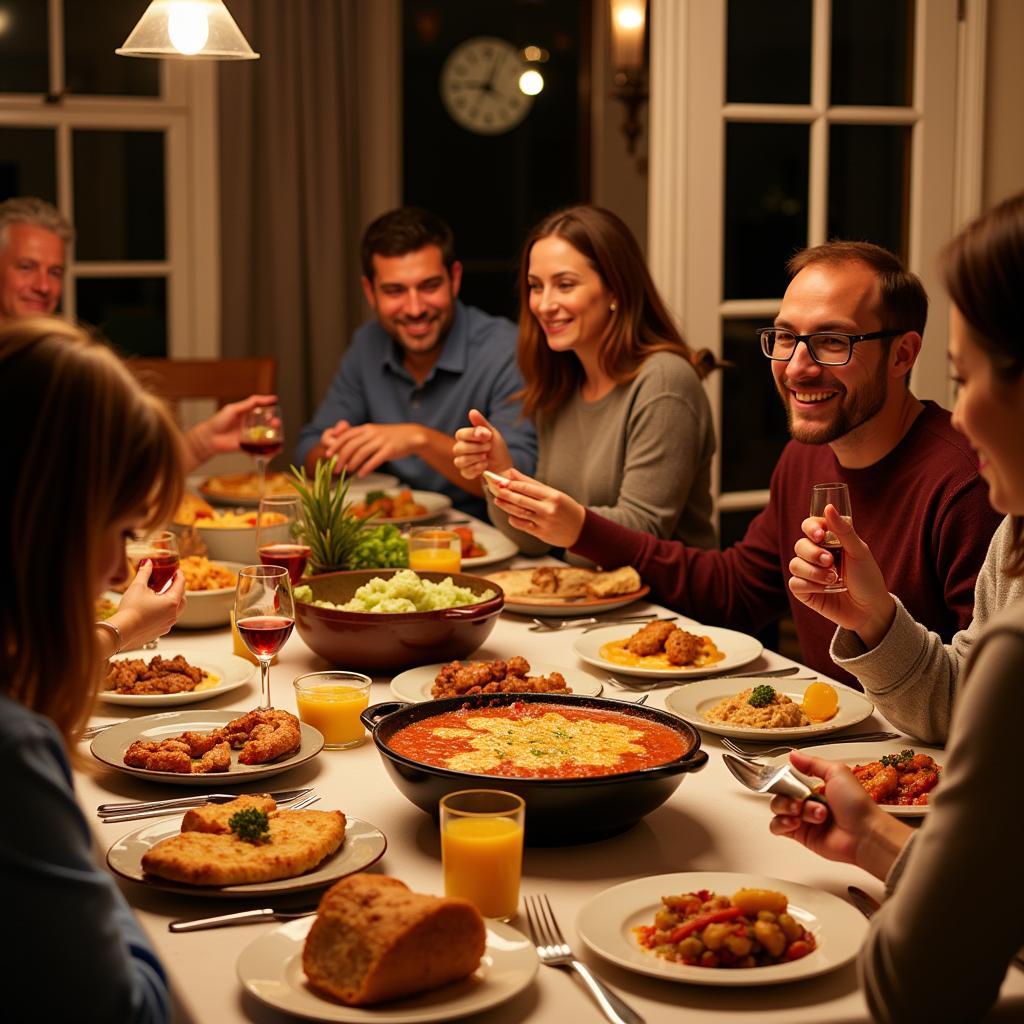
(364, 844)
(691, 702)
(110, 746)
(496, 545)
(230, 671)
(435, 504)
(606, 923)
(860, 753)
(213, 490)
(738, 648)
(270, 968)
(415, 684)
(373, 482)
(561, 606)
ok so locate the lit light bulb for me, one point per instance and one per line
(531, 82)
(629, 17)
(188, 27)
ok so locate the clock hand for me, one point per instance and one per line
(498, 61)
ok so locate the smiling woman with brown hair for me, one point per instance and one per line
(623, 423)
(94, 458)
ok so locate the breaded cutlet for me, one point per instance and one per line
(214, 818)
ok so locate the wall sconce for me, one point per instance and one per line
(187, 28)
(628, 38)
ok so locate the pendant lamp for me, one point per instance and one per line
(194, 29)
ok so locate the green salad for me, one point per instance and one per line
(403, 592)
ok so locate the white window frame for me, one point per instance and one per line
(186, 111)
(687, 168)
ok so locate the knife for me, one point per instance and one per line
(148, 808)
(243, 917)
(864, 902)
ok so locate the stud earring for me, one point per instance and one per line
(613, 307)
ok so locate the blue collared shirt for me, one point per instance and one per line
(475, 370)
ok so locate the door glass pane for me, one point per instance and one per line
(126, 171)
(92, 31)
(753, 420)
(869, 184)
(131, 312)
(27, 163)
(769, 52)
(24, 46)
(872, 52)
(765, 206)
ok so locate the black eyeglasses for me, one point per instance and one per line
(829, 349)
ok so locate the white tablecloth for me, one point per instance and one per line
(709, 824)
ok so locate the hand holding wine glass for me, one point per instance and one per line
(282, 543)
(262, 435)
(264, 616)
(161, 551)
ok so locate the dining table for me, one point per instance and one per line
(709, 824)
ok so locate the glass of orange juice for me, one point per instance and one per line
(332, 703)
(482, 849)
(434, 550)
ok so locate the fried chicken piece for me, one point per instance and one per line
(161, 675)
(683, 648)
(216, 759)
(201, 742)
(459, 680)
(170, 759)
(283, 737)
(650, 639)
(175, 666)
(138, 753)
(122, 674)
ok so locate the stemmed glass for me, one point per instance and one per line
(836, 494)
(262, 435)
(264, 616)
(283, 543)
(161, 549)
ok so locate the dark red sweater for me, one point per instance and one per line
(923, 510)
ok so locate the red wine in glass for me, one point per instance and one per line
(292, 557)
(265, 635)
(262, 447)
(165, 565)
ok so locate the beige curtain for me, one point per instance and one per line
(295, 193)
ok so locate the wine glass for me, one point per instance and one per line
(161, 549)
(836, 494)
(262, 435)
(264, 616)
(283, 543)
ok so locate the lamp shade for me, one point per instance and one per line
(628, 24)
(195, 29)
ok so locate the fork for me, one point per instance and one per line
(554, 625)
(554, 951)
(859, 737)
(162, 808)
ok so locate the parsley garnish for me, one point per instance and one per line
(250, 825)
(895, 760)
(761, 696)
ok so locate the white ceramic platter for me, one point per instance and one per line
(415, 684)
(229, 670)
(434, 503)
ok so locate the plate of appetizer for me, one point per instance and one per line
(399, 506)
(768, 709)
(207, 748)
(200, 854)
(168, 680)
(483, 545)
(514, 675)
(805, 932)
(568, 590)
(665, 650)
(379, 987)
(244, 488)
(899, 777)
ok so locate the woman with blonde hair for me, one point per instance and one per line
(623, 423)
(94, 458)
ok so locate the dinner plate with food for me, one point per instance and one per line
(513, 675)
(406, 976)
(664, 650)
(899, 777)
(483, 545)
(244, 488)
(208, 748)
(399, 505)
(246, 848)
(568, 589)
(768, 709)
(172, 679)
(686, 927)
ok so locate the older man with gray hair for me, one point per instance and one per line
(33, 236)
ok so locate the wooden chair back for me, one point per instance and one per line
(225, 380)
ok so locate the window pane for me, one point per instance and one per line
(27, 163)
(769, 59)
(872, 52)
(131, 312)
(92, 31)
(765, 206)
(24, 46)
(126, 169)
(753, 420)
(868, 184)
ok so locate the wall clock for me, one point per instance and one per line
(480, 86)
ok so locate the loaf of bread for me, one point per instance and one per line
(373, 940)
(609, 584)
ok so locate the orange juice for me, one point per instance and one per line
(435, 560)
(334, 709)
(483, 859)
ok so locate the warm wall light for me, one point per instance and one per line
(531, 82)
(628, 36)
(195, 29)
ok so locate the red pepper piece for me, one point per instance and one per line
(697, 923)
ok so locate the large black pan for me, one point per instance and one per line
(558, 811)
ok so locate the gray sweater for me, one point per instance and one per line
(912, 675)
(640, 456)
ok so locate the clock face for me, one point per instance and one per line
(480, 86)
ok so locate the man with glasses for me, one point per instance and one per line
(841, 349)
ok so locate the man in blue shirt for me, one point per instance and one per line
(410, 377)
